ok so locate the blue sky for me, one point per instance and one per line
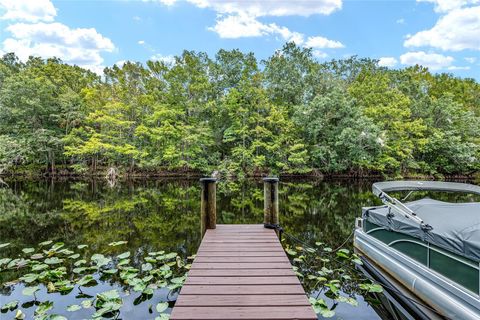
(443, 35)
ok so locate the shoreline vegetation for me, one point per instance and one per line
(103, 173)
(289, 115)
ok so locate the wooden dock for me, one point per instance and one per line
(242, 272)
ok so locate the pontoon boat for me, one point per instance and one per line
(429, 249)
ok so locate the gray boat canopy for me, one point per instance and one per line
(389, 186)
(452, 226)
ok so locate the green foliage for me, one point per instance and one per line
(328, 274)
(200, 114)
(57, 275)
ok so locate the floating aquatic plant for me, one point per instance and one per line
(329, 274)
(60, 270)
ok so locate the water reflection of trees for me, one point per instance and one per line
(165, 213)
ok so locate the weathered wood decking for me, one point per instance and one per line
(242, 272)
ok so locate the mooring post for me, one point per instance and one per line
(270, 204)
(208, 207)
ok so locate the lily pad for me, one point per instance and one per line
(162, 306)
(123, 262)
(29, 278)
(43, 307)
(85, 280)
(28, 250)
(117, 243)
(3, 245)
(110, 271)
(108, 295)
(57, 246)
(74, 307)
(79, 263)
(124, 255)
(45, 243)
(12, 305)
(29, 291)
(100, 260)
(147, 267)
(4, 261)
(53, 260)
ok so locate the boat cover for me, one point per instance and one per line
(455, 226)
(388, 186)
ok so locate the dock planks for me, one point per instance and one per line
(242, 272)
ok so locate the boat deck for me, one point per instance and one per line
(242, 272)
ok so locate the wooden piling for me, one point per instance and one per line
(208, 211)
(270, 204)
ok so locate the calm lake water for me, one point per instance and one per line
(161, 214)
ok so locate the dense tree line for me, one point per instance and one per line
(286, 114)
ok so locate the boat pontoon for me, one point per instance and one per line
(430, 248)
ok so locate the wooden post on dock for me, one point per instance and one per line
(270, 207)
(208, 204)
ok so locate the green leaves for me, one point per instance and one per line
(106, 302)
(117, 243)
(108, 295)
(370, 287)
(161, 307)
(86, 280)
(10, 306)
(60, 275)
(53, 260)
(45, 243)
(124, 255)
(30, 277)
(100, 260)
(73, 308)
(57, 246)
(3, 245)
(320, 307)
(30, 291)
(43, 308)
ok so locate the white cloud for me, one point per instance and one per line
(319, 54)
(449, 5)
(433, 61)
(28, 10)
(237, 26)
(286, 34)
(458, 68)
(240, 18)
(120, 63)
(400, 21)
(58, 33)
(387, 62)
(40, 36)
(471, 59)
(458, 30)
(321, 42)
(168, 2)
(141, 42)
(266, 7)
(79, 46)
(168, 59)
(243, 25)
